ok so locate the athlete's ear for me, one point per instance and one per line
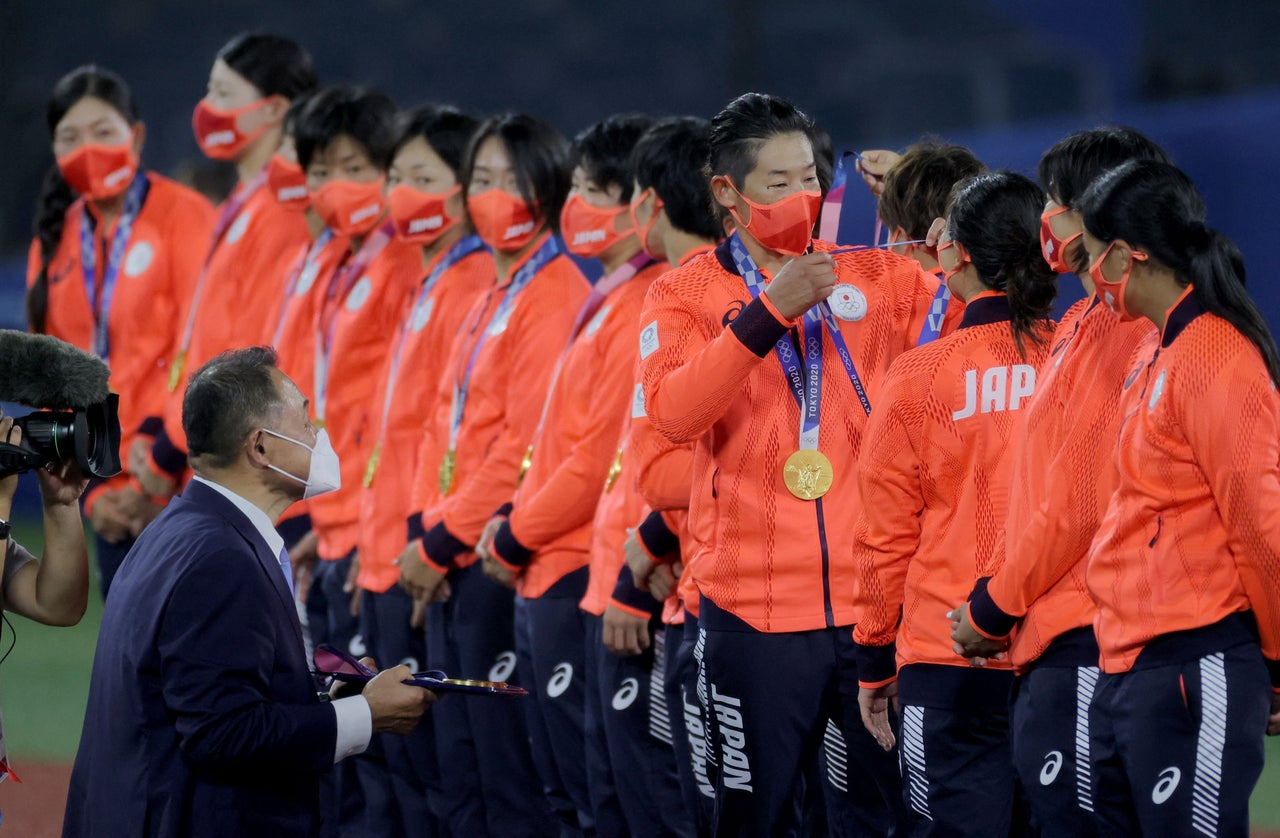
(727, 196)
(139, 132)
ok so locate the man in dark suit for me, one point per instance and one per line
(203, 716)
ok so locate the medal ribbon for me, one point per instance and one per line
(605, 286)
(807, 389)
(100, 300)
(308, 261)
(462, 384)
(341, 284)
(230, 210)
(461, 249)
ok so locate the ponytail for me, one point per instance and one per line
(1216, 271)
(56, 197)
(996, 216)
(1156, 208)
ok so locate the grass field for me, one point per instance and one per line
(44, 684)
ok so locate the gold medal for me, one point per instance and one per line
(372, 469)
(175, 371)
(447, 466)
(614, 471)
(808, 474)
(524, 465)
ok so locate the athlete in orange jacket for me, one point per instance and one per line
(1184, 566)
(1063, 478)
(772, 616)
(515, 180)
(127, 250)
(934, 484)
(240, 119)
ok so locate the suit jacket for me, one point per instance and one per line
(203, 717)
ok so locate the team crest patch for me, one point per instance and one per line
(637, 403)
(649, 340)
(139, 258)
(848, 302)
(422, 314)
(239, 226)
(306, 279)
(1157, 390)
(594, 325)
(359, 294)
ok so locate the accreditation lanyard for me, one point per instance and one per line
(327, 318)
(306, 264)
(100, 298)
(462, 384)
(806, 384)
(230, 211)
(461, 249)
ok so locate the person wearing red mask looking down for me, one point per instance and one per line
(742, 355)
(1063, 477)
(344, 138)
(116, 255)
(291, 331)
(424, 198)
(933, 482)
(1183, 567)
(253, 79)
(515, 179)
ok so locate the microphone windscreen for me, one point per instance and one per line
(43, 372)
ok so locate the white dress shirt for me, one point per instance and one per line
(355, 719)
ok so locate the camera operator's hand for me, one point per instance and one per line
(9, 485)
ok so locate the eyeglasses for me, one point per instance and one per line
(343, 667)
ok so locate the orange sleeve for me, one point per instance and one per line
(889, 484)
(542, 329)
(1240, 458)
(33, 262)
(567, 499)
(690, 380)
(664, 470)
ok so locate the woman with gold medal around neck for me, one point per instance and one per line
(743, 355)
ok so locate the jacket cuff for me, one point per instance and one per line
(439, 547)
(758, 327)
(877, 665)
(504, 511)
(986, 617)
(152, 426)
(507, 549)
(93, 491)
(167, 458)
(630, 598)
(414, 527)
(657, 539)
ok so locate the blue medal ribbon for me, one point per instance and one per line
(100, 302)
(807, 387)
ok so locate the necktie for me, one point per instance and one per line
(286, 568)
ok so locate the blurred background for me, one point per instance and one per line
(1006, 77)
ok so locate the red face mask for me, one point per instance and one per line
(503, 221)
(961, 260)
(349, 208)
(646, 230)
(784, 226)
(589, 231)
(1054, 248)
(1112, 293)
(218, 132)
(288, 183)
(98, 171)
(420, 217)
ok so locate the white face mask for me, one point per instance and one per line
(324, 475)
